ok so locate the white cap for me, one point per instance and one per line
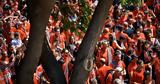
(102, 60)
(119, 69)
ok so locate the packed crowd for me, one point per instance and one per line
(128, 50)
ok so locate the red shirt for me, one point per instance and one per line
(102, 72)
(137, 77)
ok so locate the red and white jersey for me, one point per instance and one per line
(38, 74)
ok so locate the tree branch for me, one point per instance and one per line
(51, 66)
(39, 12)
(89, 42)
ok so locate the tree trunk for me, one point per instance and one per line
(51, 66)
(39, 12)
(85, 58)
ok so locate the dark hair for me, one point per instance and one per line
(130, 52)
(139, 62)
(147, 32)
(134, 56)
(16, 34)
(122, 37)
(16, 25)
(6, 7)
(144, 44)
(137, 24)
(130, 16)
(120, 27)
(108, 25)
(56, 29)
(117, 52)
(111, 39)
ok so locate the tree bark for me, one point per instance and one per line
(51, 66)
(85, 58)
(39, 12)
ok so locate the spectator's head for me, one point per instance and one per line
(57, 31)
(146, 45)
(130, 15)
(6, 7)
(120, 28)
(11, 48)
(140, 64)
(145, 7)
(134, 57)
(105, 43)
(65, 51)
(118, 71)
(130, 52)
(139, 17)
(16, 35)
(23, 20)
(122, 38)
(158, 26)
(20, 24)
(148, 33)
(125, 25)
(138, 31)
(106, 30)
(118, 55)
(17, 25)
(108, 25)
(72, 39)
(102, 61)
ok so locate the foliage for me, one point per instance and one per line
(133, 2)
(75, 19)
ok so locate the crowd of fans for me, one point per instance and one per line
(128, 50)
